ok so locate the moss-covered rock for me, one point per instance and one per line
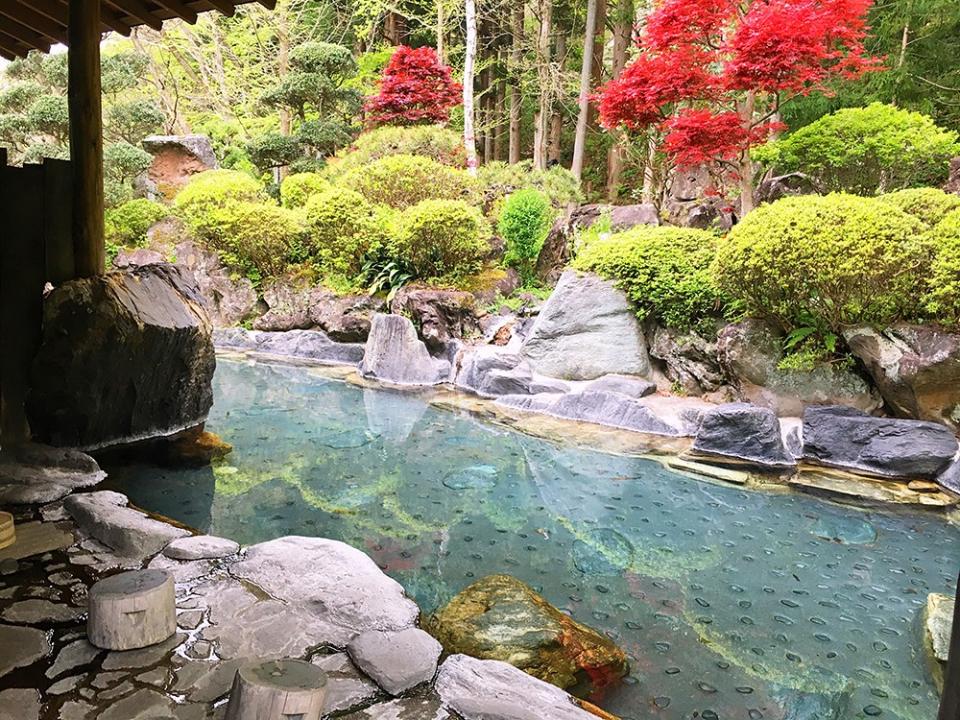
(501, 618)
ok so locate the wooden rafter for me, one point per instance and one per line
(138, 10)
(36, 21)
(180, 9)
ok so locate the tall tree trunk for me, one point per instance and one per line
(580, 137)
(516, 100)
(500, 112)
(555, 138)
(283, 66)
(622, 39)
(441, 31)
(747, 196)
(545, 100)
(469, 60)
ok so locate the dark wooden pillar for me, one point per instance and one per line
(86, 137)
(950, 702)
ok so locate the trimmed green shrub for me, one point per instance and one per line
(442, 238)
(401, 181)
(928, 205)
(825, 262)
(297, 189)
(343, 230)
(127, 224)
(867, 151)
(524, 224)
(665, 271)
(943, 297)
(256, 238)
(210, 191)
(436, 142)
(499, 179)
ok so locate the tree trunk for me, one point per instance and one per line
(470, 56)
(283, 68)
(545, 100)
(441, 31)
(555, 138)
(580, 137)
(622, 38)
(500, 112)
(747, 196)
(516, 101)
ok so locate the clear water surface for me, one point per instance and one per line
(731, 603)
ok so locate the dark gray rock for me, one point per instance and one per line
(131, 533)
(39, 612)
(33, 474)
(953, 182)
(345, 318)
(229, 299)
(602, 408)
(21, 647)
(789, 185)
(743, 432)
(689, 358)
(493, 690)
(313, 345)
(847, 438)
(624, 385)
(395, 354)
(124, 356)
(915, 367)
(79, 652)
(950, 478)
(586, 329)
(288, 308)
(438, 315)
(397, 660)
(749, 352)
(490, 371)
(201, 547)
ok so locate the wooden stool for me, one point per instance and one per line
(132, 610)
(8, 535)
(277, 690)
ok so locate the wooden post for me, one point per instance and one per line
(86, 137)
(278, 690)
(132, 610)
(950, 701)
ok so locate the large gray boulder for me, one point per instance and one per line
(345, 318)
(491, 371)
(124, 356)
(395, 354)
(312, 345)
(749, 352)
(493, 690)
(744, 432)
(586, 329)
(397, 660)
(439, 315)
(32, 474)
(105, 515)
(689, 359)
(915, 367)
(600, 407)
(229, 299)
(847, 438)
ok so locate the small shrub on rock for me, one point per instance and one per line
(524, 224)
(210, 191)
(127, 224)
(401, 181)
(442, 238)
(344, 230)
(825, 262)
(928, 205)
(665, 271)
(943, 297)
(256, 238)
(297, 189)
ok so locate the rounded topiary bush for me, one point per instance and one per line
(256, 238)
(943, 296)
(928, 205)
(297, 189)
(832, 261)
(210, 191)
(127, 224)
(524, 224)
(442, 238)
(436, 142)
(665, 271)
(343, 229)
(401, 181)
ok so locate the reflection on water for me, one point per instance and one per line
(731, 603)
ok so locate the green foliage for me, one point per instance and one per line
(127, 224)
(122, 163)
(401, 181)
(48, 115)
(499, 179)
(344, 230)
(665, 271)
(297, 189)
(438, 143)
(827, 262)
(272, 150)
(257, 238)
(133, 120)
(928, 205)
(382, 274)
(867, 151)
(210, 191)
(442, 238)
(18, 96)
(943, 296)
(524, 224)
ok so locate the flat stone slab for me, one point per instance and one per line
(37, 612)
(347, 688)
(79, 652)
(21, 646)
(142, 705)
(862, 488)
(312, 345)
(36, 474)
(36, 538)
(19, 704)
(397, 661)
(201, 547)
(412, 708)
(600, 407)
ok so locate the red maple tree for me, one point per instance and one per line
(415, 88)
(712, 75)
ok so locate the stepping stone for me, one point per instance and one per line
(201, 547)
(397, 661)
(21, 646)
(347, 688)
(36, 538)
(79, 652)
(37, 612)
(19, 704)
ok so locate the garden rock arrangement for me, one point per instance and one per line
(310, 598)
(395, 354)
(113, 347)
(176, 158)
(32, 473)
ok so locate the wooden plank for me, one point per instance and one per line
(36, 21)
(57, 12)
(179, 9)
(57, 219)
(86, 138)
(225, 7)
(139, 11)
(23, 34)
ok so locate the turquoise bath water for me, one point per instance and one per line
(731, 603)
